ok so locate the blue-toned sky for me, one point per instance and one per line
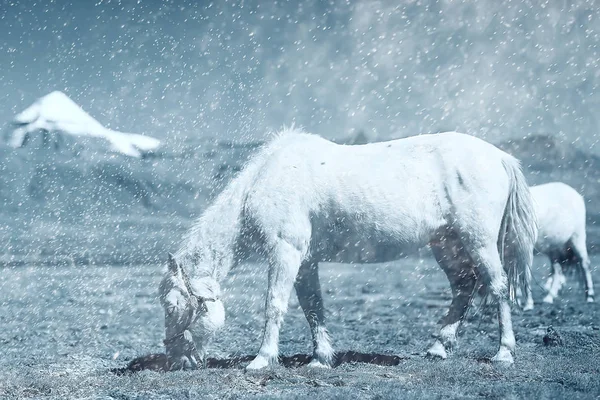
(171, 69)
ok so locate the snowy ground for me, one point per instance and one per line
(62, 330)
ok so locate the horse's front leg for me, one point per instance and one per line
(580, 249)
(284, 263)
(589, 284)
(308, 289)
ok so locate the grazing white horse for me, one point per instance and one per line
(561, 222)
(303, 199)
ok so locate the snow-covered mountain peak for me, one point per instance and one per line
(56, 112)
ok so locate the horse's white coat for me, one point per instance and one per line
(303, 199)
(561, 220)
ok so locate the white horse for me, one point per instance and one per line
(302, 200)
(561, 220)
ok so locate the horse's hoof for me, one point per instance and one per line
(437, 351)
(528, 307)
(259, 362)
(503, 356)
(562, 280)
(548, 299)
(314, 363)
(590, 299)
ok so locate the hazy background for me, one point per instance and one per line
(237, 69)
(212, 79)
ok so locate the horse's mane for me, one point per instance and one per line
(209, 242)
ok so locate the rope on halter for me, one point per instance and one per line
(197, 301)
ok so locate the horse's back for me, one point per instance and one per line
(394, 193)
(560, 213)
(557, 190)
(296, 152)
(312, 170)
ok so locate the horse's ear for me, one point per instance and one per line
(173, 267)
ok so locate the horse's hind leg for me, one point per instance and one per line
(284, 262)
(552, 276)
(308, 289)
(490, 267)
(556, 281)
(458, 266)
(528, 293)
(580, 250)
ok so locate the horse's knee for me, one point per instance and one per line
(585, 265)
(497, 284)
(490, 270)
(288, 251)
(285, 263)
(307, 279)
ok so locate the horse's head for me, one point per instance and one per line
(193, 313)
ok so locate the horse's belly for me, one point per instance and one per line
(366, 243)
(367, 252)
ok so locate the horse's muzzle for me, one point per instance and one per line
(181, 363)
(181, 352)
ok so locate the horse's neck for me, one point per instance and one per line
(210, 246)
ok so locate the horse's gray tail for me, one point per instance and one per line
(518, 231)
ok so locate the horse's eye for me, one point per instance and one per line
(202, 307)
(170, 310)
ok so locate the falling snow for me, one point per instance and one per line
(151, 107)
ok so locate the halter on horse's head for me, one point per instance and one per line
(184, 308)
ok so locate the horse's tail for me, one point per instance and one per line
(518, 231)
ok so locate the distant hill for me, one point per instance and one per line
(79, 204)
(55, 116)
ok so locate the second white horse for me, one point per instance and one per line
(561, 222)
